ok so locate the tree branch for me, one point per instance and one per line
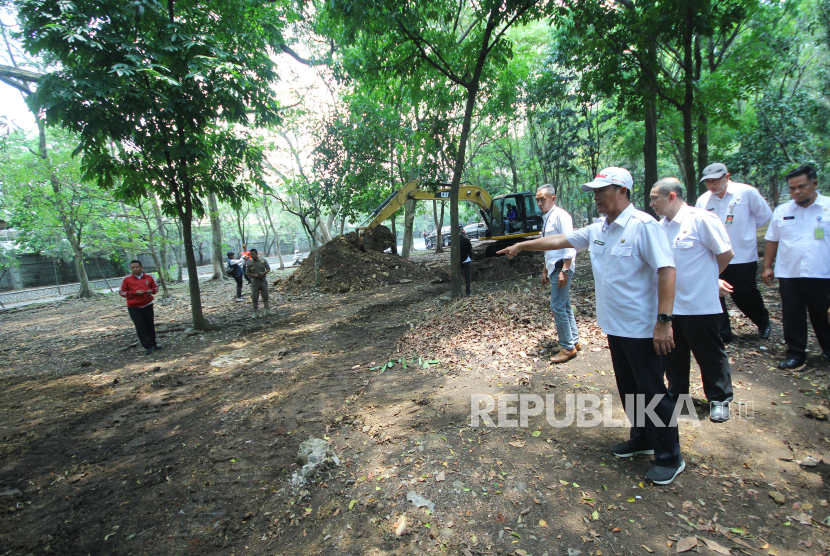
(288, 50)
(20, 74)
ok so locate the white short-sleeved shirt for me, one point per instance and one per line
(742, 211)
(558, 221)
(803, 236)
(625, 256)
(696, 238)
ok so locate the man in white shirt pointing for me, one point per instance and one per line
(634, 282)
(701, 250)
(742, 210)
(799, 237)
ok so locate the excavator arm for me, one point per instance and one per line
(467, 193)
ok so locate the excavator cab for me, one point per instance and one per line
(514, 214)
(509, 217)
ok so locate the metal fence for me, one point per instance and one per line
(56, 291)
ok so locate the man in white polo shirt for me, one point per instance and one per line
(631, 261)
(799, 236)
(742, 210)
(701, 250)
(558, 271)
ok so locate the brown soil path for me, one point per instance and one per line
(107, 452)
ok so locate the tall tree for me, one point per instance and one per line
(177, 84)
(52, 208)
(455, 42)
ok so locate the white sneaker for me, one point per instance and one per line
(256, 315)
(240, 299)
(269, 312)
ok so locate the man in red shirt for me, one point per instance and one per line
(138, 289)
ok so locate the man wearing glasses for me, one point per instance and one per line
(798, 237)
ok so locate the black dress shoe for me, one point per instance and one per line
(764, 333)
(790, 363)
(727, 338)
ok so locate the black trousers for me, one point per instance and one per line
(742, 278)
(699, 334)
(466, 268)
(238, 286)
(639, 370)
(145, 325)
(800, 296)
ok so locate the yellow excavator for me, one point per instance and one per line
(509, 217)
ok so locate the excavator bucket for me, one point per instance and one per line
(379, 238)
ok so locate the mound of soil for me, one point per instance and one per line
(497, 326)
(344, 266)
(496, 269)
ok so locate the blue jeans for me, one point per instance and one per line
(563, 313)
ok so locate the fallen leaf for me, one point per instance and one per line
(715, 547)
(517, 444)
(647, 548)
(686, 544)
(543, 523)
(400, 526)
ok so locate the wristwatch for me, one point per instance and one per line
(665, 317)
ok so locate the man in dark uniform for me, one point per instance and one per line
(257, 270)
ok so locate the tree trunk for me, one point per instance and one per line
(68, 230)
(216, 239)
(687, 111)
(439, 223)
(131, 255)
(408, 223)
(702, 149)
(273, 229)
(80, 270)
(650, 139)
(186, 219)
(178, 252)
(394, 237)
(55, 272)
(151, 245)
(164, 268)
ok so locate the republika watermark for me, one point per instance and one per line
(585, 410)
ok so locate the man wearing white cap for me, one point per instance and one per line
(631, 260)
(742, 210)
(701, 249)
(797, 237)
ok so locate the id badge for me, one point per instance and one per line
(729, 218)
(819, 233)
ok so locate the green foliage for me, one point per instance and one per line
(172, 85)
(35, 208)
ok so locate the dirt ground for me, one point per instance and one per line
(192, 450)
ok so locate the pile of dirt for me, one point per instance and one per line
(505, 328)
(344, 266)
(496, 269)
